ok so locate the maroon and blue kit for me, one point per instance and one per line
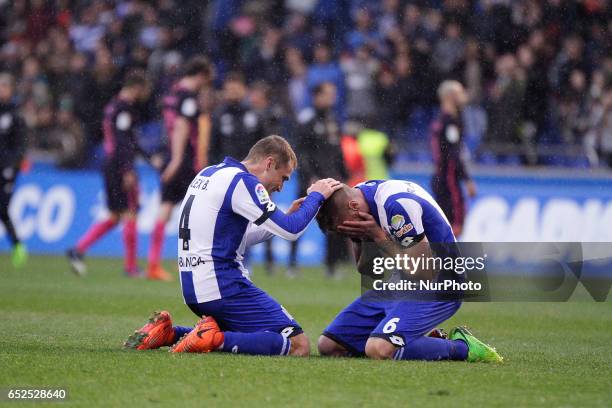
(181, 102)
(446, 142)
(121, 147)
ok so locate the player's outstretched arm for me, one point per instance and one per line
(256, 233)
(251, 200)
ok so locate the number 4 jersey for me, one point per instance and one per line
(226, 209)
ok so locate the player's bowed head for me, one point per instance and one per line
(347, 212)
(272, 161)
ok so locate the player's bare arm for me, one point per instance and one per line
(179, 141)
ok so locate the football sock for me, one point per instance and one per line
(180, 331)
(157, 241)
(431, 349)
(96, 232)
(8, 226)
(129, 242)
(259, 343)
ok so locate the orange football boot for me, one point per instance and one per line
(158, 273)
(205, 337)
(158, 332)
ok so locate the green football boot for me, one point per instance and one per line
(477, 350)
(20, 255)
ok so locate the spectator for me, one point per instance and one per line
(270, 112)
(506, 106)
(360, 72)
(87, 32)
(602, 126)
(449, 50)
(297, 89)
(83, 47)
(364, 32)
(324, 69)
(235, 127)
(320, 157)
(388, 22)
(266, 62)
(272, 117)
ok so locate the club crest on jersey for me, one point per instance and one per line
(262, 194)
(397, 221)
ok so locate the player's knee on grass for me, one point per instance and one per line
(329, 348)
(379, 349)
(300, 346)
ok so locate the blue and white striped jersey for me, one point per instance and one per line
(225, 210)
(406, 211)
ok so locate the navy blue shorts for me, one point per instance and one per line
(250, 310)
(399, 322)
(174, 190)
(118, 198)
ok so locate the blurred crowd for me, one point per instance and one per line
(538, 73)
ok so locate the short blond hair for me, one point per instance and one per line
(275, 146)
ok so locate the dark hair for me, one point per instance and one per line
(135, 78)
(324, 219)
(320, 87)
(197, 65)
(234, 76)
(336, 202)
(276, 147)
(263, 87)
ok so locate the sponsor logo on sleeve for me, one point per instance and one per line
(262, 194)
(404, 230)
(397, 221)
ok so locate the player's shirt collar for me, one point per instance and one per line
(230, 161)
(368, 188)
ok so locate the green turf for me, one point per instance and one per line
(59, 330)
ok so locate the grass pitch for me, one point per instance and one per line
(61, 331)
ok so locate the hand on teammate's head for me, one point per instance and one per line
(325, 187)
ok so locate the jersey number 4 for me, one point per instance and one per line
(184, 231)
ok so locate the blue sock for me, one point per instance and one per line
(179, 331)
(259, 343)
(432, 349)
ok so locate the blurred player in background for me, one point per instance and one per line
(236, 126)
(120, 179)
(320, 156)
(12, 150)
(398, 218)
(181, 114)
(447, 142)
(227, 209)
(271, 114)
